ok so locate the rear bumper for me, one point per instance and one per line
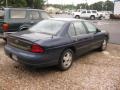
(4, 34)
(1, 35)
(33, 59)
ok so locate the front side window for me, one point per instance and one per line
(91, 27)
(71, 30)
(17, 14)
(83, 11)
(79, 27)
(34, 15)
(48, 27)
(44, 15)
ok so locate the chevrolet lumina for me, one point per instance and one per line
(55, 42)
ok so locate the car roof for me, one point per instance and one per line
(23, 9)
(67, 19)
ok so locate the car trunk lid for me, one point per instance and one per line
(24, 40)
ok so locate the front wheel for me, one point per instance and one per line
(103, 45)
(77, 17)
(66, 60)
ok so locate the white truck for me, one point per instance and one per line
(87, 14)
(116, 14)
(117, 7)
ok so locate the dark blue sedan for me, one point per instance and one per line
(55, 42)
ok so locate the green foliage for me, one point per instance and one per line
(23, 3)
(107, 5)
(97, 6)
(35, 3)
(83, 6)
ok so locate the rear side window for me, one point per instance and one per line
(83, 11)
(94, 12)
(79, 27)
(91, 27)
(34, 15)
(88, 12)
(17, 14)
(71, 30)
(44, 15)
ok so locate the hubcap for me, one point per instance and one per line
(104, 44)
(67, 59)
(77, 17)
(92, 18)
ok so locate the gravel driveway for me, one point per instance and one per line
(94, 71)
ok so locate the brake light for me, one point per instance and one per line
(37, 49)
(5, 27)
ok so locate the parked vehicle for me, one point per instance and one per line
(87, 14)
(55, 42)
(19, 19)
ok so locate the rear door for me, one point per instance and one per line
(83, 14)
(84, 38)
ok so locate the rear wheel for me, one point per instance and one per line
(66, 60)
(92, 17)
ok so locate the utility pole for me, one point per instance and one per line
(6, 3)
(85, 4)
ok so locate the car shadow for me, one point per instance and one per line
(51, 69)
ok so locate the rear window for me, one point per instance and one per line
(14, 14)
(48, 27)
(1, 14)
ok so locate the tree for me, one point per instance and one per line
(97, 6)
(35, 3)
(83, 6)
(23, 3)
(108, 5)
(12, 3)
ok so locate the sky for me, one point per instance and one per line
(75, 2)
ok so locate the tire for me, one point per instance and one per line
(103, 45)
(77, 17)
(92, 17)
(66, 60)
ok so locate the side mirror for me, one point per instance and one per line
(98, 30)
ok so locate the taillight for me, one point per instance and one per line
(37, 49)
(5, 27)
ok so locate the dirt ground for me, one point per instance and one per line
(93, 71)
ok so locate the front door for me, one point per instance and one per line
(84, 39)
(98, 36)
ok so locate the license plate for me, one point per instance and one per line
(14, 57)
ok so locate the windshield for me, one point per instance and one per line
(48, 27)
